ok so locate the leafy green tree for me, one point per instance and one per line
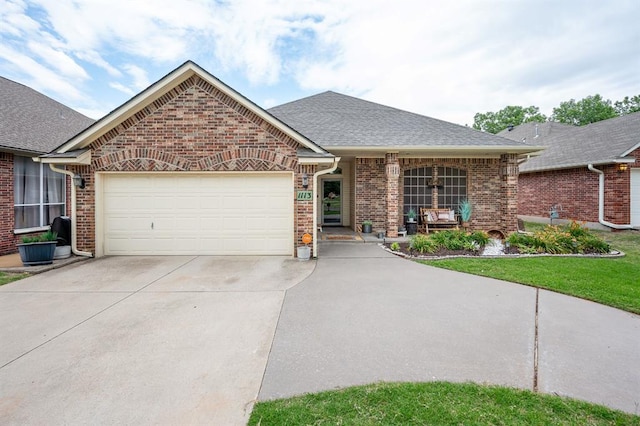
(585, 111)
(627, 105)
(493, 122)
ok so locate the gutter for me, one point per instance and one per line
(601, 201)
(331, 169)
(74, 239)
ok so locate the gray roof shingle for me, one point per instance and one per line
(334, 120)
(33, 123)
(603, 142)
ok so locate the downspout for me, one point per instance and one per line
(601, 201)
(331, 169)
(74, 239)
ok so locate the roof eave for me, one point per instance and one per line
(626, 160)
(440, 151)
(164, 85)
(80, 157)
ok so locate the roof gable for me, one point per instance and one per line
(335, 121)
(33, 123)
(154, 95)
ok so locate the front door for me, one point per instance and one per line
(332, 202)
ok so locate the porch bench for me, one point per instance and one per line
(438, 218)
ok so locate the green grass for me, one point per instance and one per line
(613, 282)
(437, 403)
(6, 278)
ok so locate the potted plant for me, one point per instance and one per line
(465, 210)
(38, 250)
(411, 215)
(366, 226)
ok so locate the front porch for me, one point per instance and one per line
(384, 190)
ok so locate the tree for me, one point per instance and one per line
(627, 105)
(585, 111)
(493, 122)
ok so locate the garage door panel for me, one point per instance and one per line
(217, 214)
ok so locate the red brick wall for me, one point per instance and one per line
(492, 189)
(194, 127)
(577, 191)
(7, 239)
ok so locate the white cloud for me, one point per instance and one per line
(122, 88)
(140, 78)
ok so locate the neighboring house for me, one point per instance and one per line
(589, 173)
(190, 166)
(31, 194)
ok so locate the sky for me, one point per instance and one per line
(444, 59)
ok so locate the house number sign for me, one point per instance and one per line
(304, 195)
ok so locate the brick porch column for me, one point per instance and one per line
(392, 174)
(509, 192)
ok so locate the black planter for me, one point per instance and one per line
(33, 254)
(412, 228)
(366, 228)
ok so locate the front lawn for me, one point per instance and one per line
(436, 403)
(614, 282)
(6, 278)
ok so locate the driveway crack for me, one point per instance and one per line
(536, 342)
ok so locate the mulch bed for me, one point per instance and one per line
(406, 250)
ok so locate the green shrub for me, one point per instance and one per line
(571, 239)
(395, 246)
(423, 244)
(46, 237)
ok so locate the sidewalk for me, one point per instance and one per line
(12, 263)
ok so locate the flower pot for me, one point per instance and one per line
(366, 228)
(33, 254)
(304, 253)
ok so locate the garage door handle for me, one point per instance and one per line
(151, 225)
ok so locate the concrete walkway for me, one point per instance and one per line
(365, 316)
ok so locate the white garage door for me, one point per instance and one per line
(214, 214)
(635, 197)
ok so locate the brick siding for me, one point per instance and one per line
(7, 239)
(194, 127)
(576, 190)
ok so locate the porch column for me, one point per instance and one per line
(509, 190)
(392, 174)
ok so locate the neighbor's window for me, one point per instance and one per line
(39, 193)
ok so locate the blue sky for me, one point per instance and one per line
(447, 60)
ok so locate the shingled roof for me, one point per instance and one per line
(535, 132)
(333, 120)
(32, 123)
(604, 142)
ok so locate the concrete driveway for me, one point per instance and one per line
(141, 340)
(185, 340)
(365, 316)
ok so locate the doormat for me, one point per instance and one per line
(341, 237)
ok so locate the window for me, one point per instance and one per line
(453, 189)
(417, 192)
(39, 194)
(418, 186)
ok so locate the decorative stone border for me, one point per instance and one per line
(612, 255)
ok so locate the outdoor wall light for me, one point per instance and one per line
(622, 167)
(78, 181)
(305, 181)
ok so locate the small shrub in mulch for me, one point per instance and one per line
(573, 238)
(570, 239)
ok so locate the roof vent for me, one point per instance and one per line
(536, 132)
(510, 127)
